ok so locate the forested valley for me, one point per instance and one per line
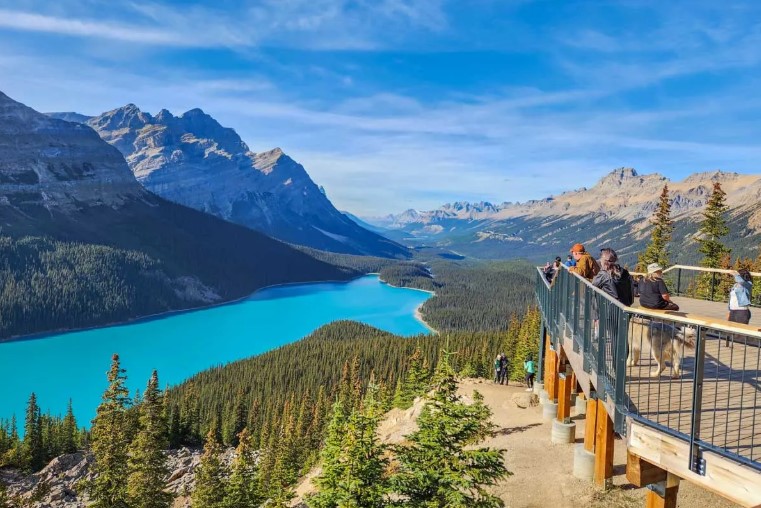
(286, 399)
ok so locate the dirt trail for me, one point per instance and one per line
(542, 471)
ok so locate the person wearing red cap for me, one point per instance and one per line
(586, 266)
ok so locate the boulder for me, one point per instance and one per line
(525, 400)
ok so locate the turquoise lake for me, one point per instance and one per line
(73, 365)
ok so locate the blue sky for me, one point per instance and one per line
(395, 104)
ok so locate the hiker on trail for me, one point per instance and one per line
(503, 364)
(570, 261)
(653, 293)
(739, 297)
(586, 266)
(497, 368)
(613, 279)
(530, 369)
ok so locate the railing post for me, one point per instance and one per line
(678, 281)
(695, 464)
(622, 340)
(713, 284)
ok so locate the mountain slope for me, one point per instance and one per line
(129, 252)
(193, 160)
(615, 212)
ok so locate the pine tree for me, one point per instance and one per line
(108, 488)
(440, 466)
(243, 489)
(415, 383)
(657, 251)
(69, 431)
(210, 476)
(354, 465)
(713, 228)
(34, 448)
(147, 462)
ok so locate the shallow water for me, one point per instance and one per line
(73, 365)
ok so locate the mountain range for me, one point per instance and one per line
(193, 160)
(83, 243)
(615, 212)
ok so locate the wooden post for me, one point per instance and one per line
(590, 425)
(663, 494)
(603, 447)
(641, 472)
(574, 383)
(552, 392)
(564, 397)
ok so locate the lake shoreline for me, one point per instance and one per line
(169, 313)
(419, 309)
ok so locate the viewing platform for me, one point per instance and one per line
(701, 424)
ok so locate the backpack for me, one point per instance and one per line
(624, 288)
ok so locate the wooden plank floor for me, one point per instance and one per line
(731, 402)
(715, 310)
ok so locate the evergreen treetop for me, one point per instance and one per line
(713, 228)
(657, 251)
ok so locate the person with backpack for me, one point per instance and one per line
(613, 279)
(497, 368)
(530, 369)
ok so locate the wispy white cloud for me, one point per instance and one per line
(306, 24)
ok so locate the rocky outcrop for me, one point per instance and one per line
(61, 483)
(193, 160)
(52, 163)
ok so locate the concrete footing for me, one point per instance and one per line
(581, 406)
(563, 433)
(543, 397)
(549, 411)
(538, 388)
(583, 463)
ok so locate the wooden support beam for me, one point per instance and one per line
(603, 447)
(574, 383)
(552, 391)
(663, 494)
(591, 425)
(641, 472)
(564, 397)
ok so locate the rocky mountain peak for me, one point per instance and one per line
(125, 117)
(618, 177)
(164, 116)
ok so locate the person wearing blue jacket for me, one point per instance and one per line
(739, 299)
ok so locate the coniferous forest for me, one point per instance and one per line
(287, 404)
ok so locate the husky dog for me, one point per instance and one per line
(665, 341)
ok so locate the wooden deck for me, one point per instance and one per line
(715, 310)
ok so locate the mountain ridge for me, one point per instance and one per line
(615, 211)
(193, 160)
(84, 244)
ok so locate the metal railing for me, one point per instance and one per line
(711, 284)
(694, 378)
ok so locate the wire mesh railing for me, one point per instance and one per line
(695, 379)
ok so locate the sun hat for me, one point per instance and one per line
(577, 248)
(654, 267)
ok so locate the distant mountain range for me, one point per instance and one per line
(615, 212)
(194, 161)
(61, 181)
